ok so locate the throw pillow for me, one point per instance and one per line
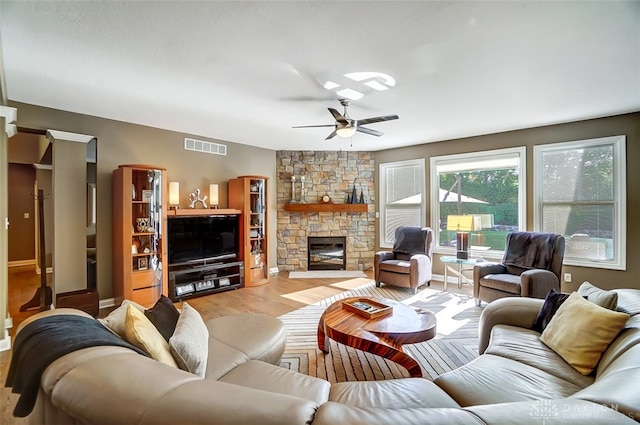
(164, 316)
(552, 302)
(190, 342)
(140, 332)
(581, 331)
(115, 321)
(606, 299)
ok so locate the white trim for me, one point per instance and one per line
(107, 302)
(8, 322)
(10, 115)
(5, 343)
(43, 167)
(20, 263)
(274, 270)
(619, 261)
(70, 137)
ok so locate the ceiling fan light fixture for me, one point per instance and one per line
(346, 131)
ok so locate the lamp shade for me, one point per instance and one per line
(213, 194)
(460, 222)
(174, 193)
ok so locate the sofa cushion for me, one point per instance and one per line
(267, 377)
(258, 336)
(524, 346)
(491, 379)
(606, 299)
(140, 332)
(552, 302)
(628, 301)
(164, 316)
(392, 394)
(581, 331)
(115, 321)
(189, 343)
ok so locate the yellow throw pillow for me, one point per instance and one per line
(581, 331)
(140, 332)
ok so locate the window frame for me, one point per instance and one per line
(520, 151)
(383, 167)
(619, 195)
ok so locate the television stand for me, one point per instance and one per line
(194, 280)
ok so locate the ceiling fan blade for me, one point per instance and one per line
(309, 126)
(338, 116)
(332, 135)
(377, 119)
(368, 131)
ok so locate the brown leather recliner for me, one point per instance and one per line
(531, 267)
(409, 264)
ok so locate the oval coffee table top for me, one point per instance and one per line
(405, 325)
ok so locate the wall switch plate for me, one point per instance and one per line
(567, 277)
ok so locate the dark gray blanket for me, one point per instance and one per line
(530, 250)
(42, 342)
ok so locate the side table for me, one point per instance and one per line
(449, 261)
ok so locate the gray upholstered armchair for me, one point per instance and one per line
(409, 264)
(531, 267)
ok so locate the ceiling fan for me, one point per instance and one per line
(347, 127)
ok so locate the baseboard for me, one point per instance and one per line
(273, 270)
(8, 323)
(5, 343)
(107, 302)
(21, 263)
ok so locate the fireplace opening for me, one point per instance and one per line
(326, 253)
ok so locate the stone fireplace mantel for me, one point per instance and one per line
(326, 207)
(331, 173)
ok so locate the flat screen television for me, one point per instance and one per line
(197, 239)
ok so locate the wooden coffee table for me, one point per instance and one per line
(383, 336)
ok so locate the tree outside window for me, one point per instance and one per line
(482, 193)
(580, 194)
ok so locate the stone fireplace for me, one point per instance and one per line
(326, 173)
(326, 253)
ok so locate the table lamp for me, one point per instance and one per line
(462, 224)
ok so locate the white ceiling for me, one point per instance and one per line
(247, 72)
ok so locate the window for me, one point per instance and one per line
(580, 192)
(482, 193)
(401, 200)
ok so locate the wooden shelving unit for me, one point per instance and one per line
(359, 208)
(139, 274)
(250, 195)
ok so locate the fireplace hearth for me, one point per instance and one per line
(326, 253)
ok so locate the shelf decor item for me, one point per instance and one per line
(194, 198)
(213, 196)
(293, 190)
(174, 195)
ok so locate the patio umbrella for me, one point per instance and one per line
(448, 196)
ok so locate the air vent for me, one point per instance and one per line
(206, 147)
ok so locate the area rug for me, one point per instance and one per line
(455, 344)
(328, 274)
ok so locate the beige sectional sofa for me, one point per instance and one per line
(515, 380)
